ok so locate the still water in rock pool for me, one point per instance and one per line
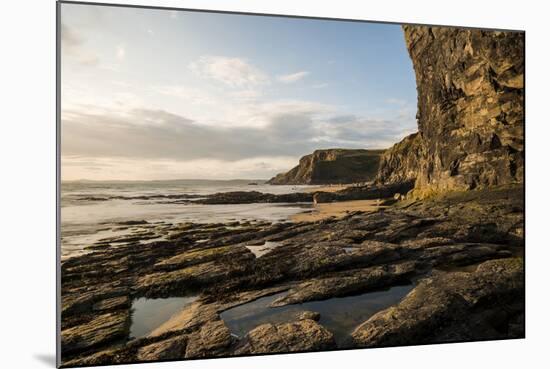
(261, 250)
(148, 314)
(340, 315)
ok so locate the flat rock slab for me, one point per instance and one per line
(303, 335)
(170, 349)
(212, 339)
(346, 283)
(101, 330)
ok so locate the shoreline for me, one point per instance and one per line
(328, 188)
(337, 210)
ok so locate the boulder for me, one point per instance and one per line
(312, 315)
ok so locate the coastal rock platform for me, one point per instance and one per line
(461, 252)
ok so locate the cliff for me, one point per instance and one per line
(332, 166)
(470, 111)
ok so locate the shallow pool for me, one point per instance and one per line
(148, 314)
(340, 315)
(260, 250)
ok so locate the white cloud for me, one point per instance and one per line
(120, 52)
(395, 101)
(293, 77)
(82, 167)
(320, 85)
(73, 47)
(192, 95)
(267, 140)
(246, 96)
(234, 72)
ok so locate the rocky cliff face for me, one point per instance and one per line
(470, 111)
(400, 163)
(332, 166)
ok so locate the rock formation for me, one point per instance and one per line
(461, 252)
(332, 166)
(470, 111)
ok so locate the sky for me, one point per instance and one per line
(149, 94)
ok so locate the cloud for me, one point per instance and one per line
(73, 47)
(233, 72)
(120, 52)
(157, 134)
(105, 168)
(291, 129)
(395, 101)
(69, 37)
(294, 77)
(192, 95)
(320, 85)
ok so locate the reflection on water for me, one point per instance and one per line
(260, 250)
(148, 314)
(340, 315)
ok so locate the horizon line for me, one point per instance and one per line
(162, 180)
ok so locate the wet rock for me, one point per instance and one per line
(133, 222)
(312, 315)
(249, 197)
(451, 305)
(303, 335)
(346, 283)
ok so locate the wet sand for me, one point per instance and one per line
(336, 209)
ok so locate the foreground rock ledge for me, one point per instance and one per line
(302, 335)
(485, 304)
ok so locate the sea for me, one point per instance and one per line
(90, 208)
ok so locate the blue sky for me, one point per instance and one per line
(157, 94)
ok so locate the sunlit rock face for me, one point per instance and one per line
(331, 166)
(470, 115)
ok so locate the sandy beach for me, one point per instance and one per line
(328, 188)
(336, 209)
